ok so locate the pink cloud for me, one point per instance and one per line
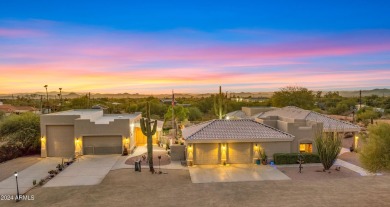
(20, 33)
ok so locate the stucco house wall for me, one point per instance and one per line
(303, 130)
(87, 123)
(120, 127)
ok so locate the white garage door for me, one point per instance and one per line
(102, 145)
(239, 153)
(206, 154)
(60, 141)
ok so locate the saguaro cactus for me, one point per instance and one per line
(149, 131)
(220, 104)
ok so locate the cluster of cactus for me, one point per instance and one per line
(220, 104)
(148, 130)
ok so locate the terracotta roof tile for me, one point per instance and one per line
(241, 129)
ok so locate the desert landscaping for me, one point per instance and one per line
(174, 188)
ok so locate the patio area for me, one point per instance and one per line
(234, 173)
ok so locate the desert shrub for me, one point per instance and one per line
(23, 131)
(9, 152)
(375, 153)
(292, 158)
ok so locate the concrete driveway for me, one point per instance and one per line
(26, 176)
(234, 173)
(88, 170)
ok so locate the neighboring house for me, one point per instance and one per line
(260, 131)
(233, 141)
(9, 109)
(255, 99)
(89, 131)
(248, 112)
(380, 110)
(168, 101)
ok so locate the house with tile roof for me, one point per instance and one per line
(10, 109)
(272, 130)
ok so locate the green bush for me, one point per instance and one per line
(292, 158)
(23, 131)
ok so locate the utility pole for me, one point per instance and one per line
(360, 99)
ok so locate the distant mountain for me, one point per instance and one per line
(54, 94)
(378, 92)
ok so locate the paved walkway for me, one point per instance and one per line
(8, 168)
(234, 173)
(88, 170)
(120, 164)
(26, 176)
(353, 167)
(344, 150)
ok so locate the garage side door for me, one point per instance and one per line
(206, 154)
(60, 141)
(239, 153)
(102, 145)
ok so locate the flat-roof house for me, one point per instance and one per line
(89, 131)
(275, 130)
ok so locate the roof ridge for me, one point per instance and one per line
(271, 128)
(205, 125)
(324, 115)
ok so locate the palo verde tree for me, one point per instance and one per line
(375, 154)
(148, 130)
(328, 147)
(220, 104)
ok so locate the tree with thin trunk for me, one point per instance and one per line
(220, 104)
(328, 147)
(47, 96)
(149, 131)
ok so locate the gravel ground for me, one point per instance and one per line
(9, 167)
(165, 159)
(316, 173)
(128, 188)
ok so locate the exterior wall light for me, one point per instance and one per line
(356, 141)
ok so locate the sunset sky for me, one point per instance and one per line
(154, 47)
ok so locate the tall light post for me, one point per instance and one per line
(17, 187)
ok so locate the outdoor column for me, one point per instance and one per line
(190, 154)
(43, 147)
(223, 153)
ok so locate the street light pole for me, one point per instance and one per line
(17, 187)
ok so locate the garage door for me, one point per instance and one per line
(102, 145)
(239, 153)
(60, 141)
(206, 154)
